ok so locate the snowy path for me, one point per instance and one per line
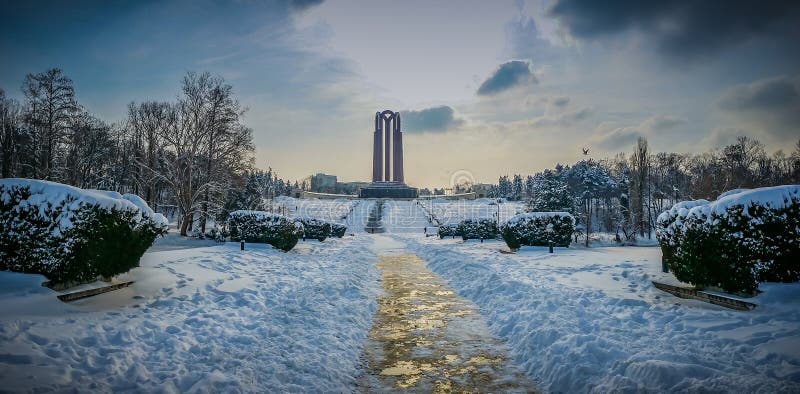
(425, 338)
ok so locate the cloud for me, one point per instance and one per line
(619, 137)
(682, 28)
(561, 102)
(509, 75)
(302, 5)
(612, 138)
(772, 105)
(562, 119)
(435, 119)
(663, 123)
(761, 95)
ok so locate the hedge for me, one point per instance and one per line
(265, 227)
(338, 230)
(477, 229)
(315, 228)
(743, 238)
(71, 235)
(448, 230)
(532, 229)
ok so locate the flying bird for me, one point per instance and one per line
(585, 151)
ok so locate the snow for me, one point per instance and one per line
(202, 319)
(775, 197)
(45, 192)
(590, 320)
(454, 211)
(325, 209)
(220, 319)
(538, 215)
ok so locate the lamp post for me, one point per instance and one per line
(550, 236)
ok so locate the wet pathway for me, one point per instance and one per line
(425, 338)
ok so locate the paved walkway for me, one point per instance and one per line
(425, 338)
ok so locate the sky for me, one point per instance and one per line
(485, 88)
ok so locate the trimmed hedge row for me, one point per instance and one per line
(315, 228)
(338, 230)
(538, 229)
(477, 229)
(265, 227)
(735, 242)
(448, 230)
(280, 231)
(71, 235)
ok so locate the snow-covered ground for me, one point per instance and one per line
(330, 210)
(454, 211)
(590, 320)
(219, 319)
(211, 319)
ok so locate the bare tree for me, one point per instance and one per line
(640, 169)
(12, 137)
(51, 104)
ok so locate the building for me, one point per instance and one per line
(350, 187)
(482, 190)
(319, 183)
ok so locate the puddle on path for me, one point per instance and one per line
(425, 338)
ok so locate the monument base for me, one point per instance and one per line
(395, 190)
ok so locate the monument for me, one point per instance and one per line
(387, 160)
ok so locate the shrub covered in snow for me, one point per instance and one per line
(481, 228)
(338, 230)
(265, 227)
(315, 228)
(448, 230)
(741, 239)
(72, 235)
(538, 229)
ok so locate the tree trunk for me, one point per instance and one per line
(185, 223)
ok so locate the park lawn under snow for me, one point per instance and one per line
(204, 319)
(585, 320)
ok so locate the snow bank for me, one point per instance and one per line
(775, 197)
(43, 193)
(200, 320)
(520, 217)
(591, 321)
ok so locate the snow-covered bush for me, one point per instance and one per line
(538, 229)
(315, 228)
(71, 235)
(338, 230)
(482, 228)
(741, 239)
(265, 227)
(448, 230)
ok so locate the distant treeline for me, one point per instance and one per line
(192, 158)
(625, 194)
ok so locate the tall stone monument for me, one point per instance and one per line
(387, 160)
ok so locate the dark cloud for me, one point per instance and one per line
(435, 119)
(760, 95)
(619, 138)
(507, 76)
(561, 102)
(562, 119)
(683, 28)
(302, 5)
(771, 104)
(663, 122)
